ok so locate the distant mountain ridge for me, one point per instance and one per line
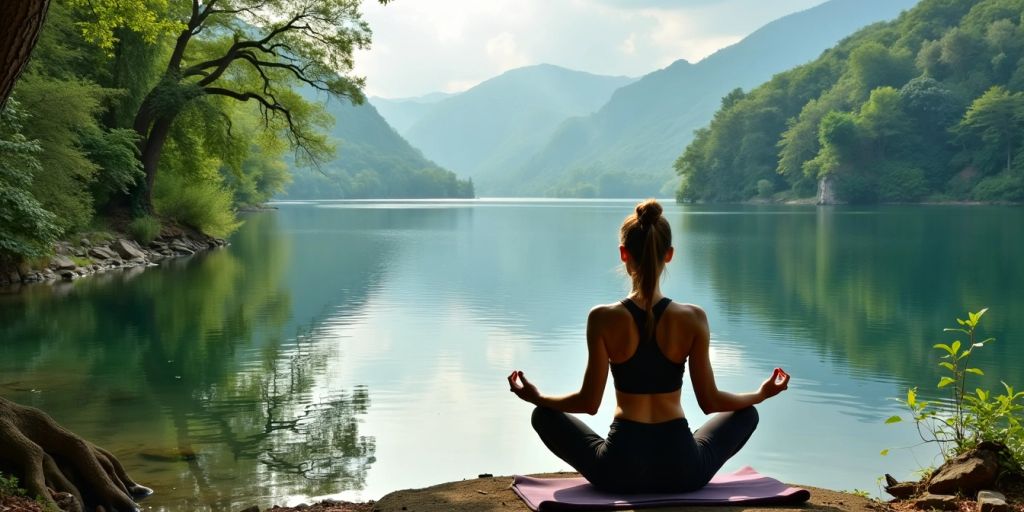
(373, 161)
(628, 146)
(402, 113)
(498, 124)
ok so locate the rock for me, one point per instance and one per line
(966, 473)
(85, 242)
(68, 275)
(253, 508)
(992, 501)
(61, 262)
(930, 501)
(128, 250)
(14, 277)
(901, 490)
(103, 253)
(179, 246)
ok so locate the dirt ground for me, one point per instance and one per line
(494, 494)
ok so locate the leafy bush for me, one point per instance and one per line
(968, 418)
(27, 229)
(1001, 187)
(900, 183)
(9, 486)
(200, 203)
(144, 229)
(765, 188)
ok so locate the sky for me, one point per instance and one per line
(424, 46)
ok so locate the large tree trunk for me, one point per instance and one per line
(50, 461)
(151, 147)
(20, 22)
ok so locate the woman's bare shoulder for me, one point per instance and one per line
(690, 314)
(603, 313)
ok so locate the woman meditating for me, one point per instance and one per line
(646, 339)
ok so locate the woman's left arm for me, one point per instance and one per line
(588, 398)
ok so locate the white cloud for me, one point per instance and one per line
(421, 47)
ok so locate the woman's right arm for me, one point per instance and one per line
(709, 397)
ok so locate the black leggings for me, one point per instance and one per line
(646, 457)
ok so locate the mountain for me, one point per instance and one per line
(498, 124)
(373, 161)
(402, 113)
(628, 146)
(924, 108)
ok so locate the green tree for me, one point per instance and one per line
(26, 228)
(996, 118)
(254, 51)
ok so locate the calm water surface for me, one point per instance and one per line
(350, 349)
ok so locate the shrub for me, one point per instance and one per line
(144, 229)
(200, 203)
(1001, 187)
(9, 486)
(968, 418)
(901, 183)
(765, 188)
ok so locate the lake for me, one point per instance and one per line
(349, 349)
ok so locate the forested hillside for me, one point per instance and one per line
(372, 161)
(927, 107)
(131, 115)
(628, 146)
(495, 126)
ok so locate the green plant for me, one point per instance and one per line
(144, 229)
(9, 486)
(968, 418)
(200, 203)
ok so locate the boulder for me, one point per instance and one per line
(103, 253)
(128, 250)
(967, 473)
(68, 275)
(903, 490)
(929, 501)
(62, 262)
(992, 501)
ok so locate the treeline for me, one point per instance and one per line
(928, 107)
(132, 113)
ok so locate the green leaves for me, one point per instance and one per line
(945, 381)
(893, 419)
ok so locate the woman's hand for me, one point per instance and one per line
(525, 390)
(777, 383)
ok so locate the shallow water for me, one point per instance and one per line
(348, 349)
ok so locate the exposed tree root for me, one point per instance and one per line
(49, 461)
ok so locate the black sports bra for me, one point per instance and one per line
(647, 370)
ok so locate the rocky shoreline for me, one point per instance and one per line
(76, 260)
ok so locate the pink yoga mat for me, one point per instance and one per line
(745, 486)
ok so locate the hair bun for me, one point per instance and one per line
(648, 212)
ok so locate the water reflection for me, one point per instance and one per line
(351, 349)
(873, 288)
(195, 374)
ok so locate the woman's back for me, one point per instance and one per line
(674, 334)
